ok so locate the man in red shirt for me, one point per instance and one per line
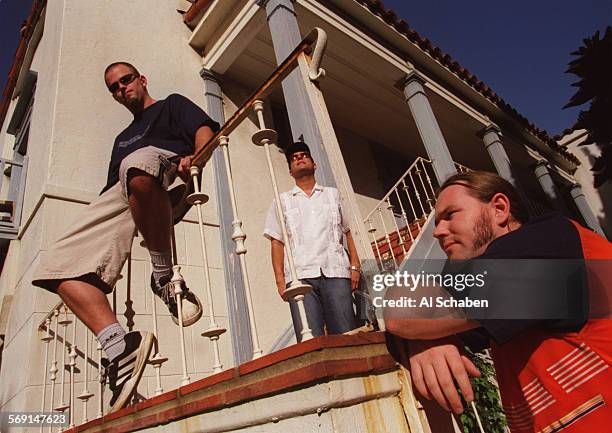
(553, 374)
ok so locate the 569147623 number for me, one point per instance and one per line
(33, 419)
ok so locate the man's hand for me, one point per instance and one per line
(278, 264)
(435, 366)
(355, 277)
(183, 168)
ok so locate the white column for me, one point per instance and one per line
(428, 127)
(491, 136)
(285, 33)
(548, 186)
(238, 314)
(585, 209)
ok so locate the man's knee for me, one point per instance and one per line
(140, 182)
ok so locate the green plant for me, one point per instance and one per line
(486, 399)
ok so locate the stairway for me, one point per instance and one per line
(385, 247)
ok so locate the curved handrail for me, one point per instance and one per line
(402, 177)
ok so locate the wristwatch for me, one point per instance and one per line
(354, 268)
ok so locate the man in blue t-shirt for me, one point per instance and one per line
(147, 178)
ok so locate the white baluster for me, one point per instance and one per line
(404, 215)
(382, 219)
(214, 331)
(53, 370)
(72, 356)
(418, 196)
(64, 324)
(407, 192)
(47, 339)
(399, 235)
(428, 199)
(431, 188)
(296, 290)
(157, 360)
(177, 281)
(85, 395)
(238, 236)
(372, 230)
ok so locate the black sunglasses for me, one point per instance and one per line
(297, 156)
(125, 80)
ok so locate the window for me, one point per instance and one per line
(14, 170)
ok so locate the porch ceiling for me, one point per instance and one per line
(362, 93)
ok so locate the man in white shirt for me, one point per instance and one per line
(315, 226)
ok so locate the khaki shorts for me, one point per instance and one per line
(97, 245)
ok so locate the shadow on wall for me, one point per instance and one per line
(604, 192)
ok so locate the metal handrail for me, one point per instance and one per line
(314, 43)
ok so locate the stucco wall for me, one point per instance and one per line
(600, 199)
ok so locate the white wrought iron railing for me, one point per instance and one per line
(397, 219)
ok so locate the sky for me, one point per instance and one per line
(520, 48)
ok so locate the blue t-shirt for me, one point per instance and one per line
(169, 124)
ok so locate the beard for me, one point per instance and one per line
(483, 233)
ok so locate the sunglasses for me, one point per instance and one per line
(125, 80)
(301, 155)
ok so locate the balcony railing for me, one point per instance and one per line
(399, 216)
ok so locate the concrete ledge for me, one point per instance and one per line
(300, 366)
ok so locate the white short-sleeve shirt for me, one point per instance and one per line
(315, 226)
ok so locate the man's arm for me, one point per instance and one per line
(353, 260)
(424, 323)
(278, 264)
(427, 329)
(203, 135)
(436, 361)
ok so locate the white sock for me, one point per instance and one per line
(111, 339)
(161, 263)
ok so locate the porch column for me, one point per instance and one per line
(285, 32)
(585, 209)
(548, 186)
(234, 285)
(491, 136)
(428, 128)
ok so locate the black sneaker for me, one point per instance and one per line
(125, 371)
(192, 307)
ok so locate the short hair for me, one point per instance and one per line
(129, 65)
(483, 185)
